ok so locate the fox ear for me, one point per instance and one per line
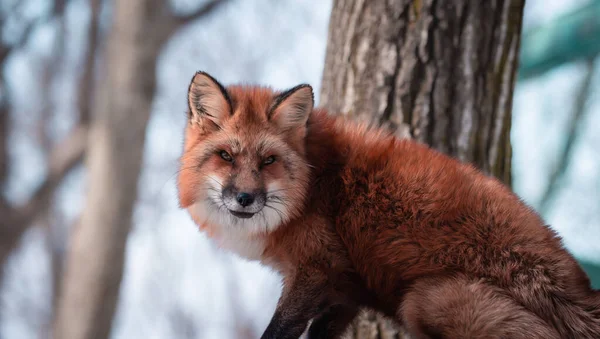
(208, 102)
(291, 109)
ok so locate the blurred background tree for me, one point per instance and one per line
(98, 248)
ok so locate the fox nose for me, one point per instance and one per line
(245, 199)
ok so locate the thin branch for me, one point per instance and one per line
(50, 71)
(5, 50)
(87, 78)
(573, 128)
(207, 9)
(175, 22)
(57, 11)
(4, 121)
(64, 157)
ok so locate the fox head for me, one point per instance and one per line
(243, 169)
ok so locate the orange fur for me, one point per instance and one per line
(395, 226)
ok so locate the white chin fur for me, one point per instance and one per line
(244, 237)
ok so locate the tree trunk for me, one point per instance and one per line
(441, 72)
(94, 266)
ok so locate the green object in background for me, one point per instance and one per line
(593, 271)
(574, 35)
(569, 37)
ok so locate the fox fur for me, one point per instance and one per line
(353, 217)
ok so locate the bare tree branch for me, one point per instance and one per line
(50, 70)
(208, 8)
(87, 78)
(574, 126)
(4, 121)
(5, 50)
(64, 157)
(14, 221)
(57, 11)
(94, 265)
(175, 22)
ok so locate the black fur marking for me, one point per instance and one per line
(284, 326)
(332, 322)
(284, 95)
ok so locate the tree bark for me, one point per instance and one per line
(441, 72)
(121, 110)
(94, 266)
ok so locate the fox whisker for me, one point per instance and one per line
(217, 181)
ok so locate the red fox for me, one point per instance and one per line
(353, 217)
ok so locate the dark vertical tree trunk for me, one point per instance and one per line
(441, 72)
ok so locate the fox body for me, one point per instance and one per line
(353, 218)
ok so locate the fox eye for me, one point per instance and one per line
(226, 156)
(269, 160)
